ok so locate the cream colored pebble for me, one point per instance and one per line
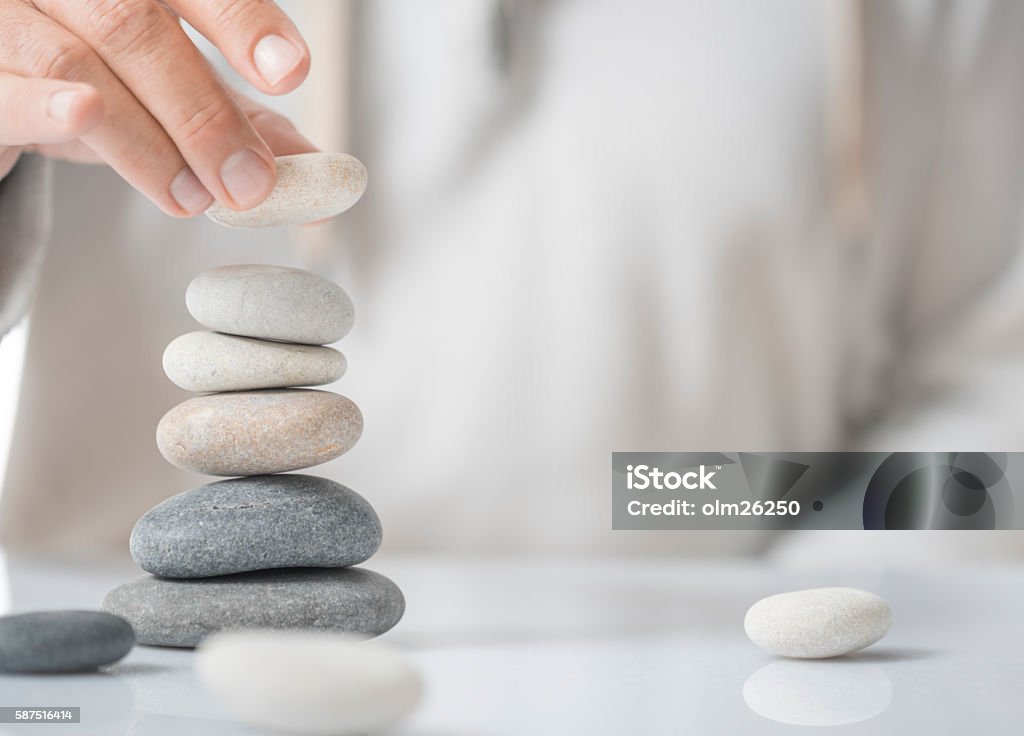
(310, 187)
(211, 361)
(818, 623)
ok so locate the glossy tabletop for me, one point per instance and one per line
(631, 646)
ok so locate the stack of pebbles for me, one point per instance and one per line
(268, 550)
(265, 550)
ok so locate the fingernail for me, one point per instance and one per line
(189, 192)
(59, 105)
(247, 178)
(275, 58)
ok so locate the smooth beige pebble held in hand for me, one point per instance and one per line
(818, 623)
(310, 187)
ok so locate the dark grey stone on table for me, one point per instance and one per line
(62, 641)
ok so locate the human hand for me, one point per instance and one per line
(119, 82)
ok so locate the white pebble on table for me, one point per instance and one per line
(308, 682)
(818, 623)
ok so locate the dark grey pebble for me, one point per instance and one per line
(256, 523)
(180, 613)
(62, 641)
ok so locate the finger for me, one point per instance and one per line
(277, 130)
(255, 36)
(45, 110)
(148, 50)
(128, 138)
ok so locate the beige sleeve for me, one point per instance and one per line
(24, 229)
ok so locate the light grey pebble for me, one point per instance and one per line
(258, 432)
(270, 302)
(212, 361)
(62, 641)
(180, 613)
(310, 187)
(818, 623)
(256, 523)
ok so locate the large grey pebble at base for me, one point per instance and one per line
(180, 613)
(270, 302)
(211, 361)
(818, 623)
(258, 432)
(62, 641)
(256, 523)
(310, 187)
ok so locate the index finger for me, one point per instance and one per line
(149, 52)
(255, 36)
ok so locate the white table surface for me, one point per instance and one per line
(613, 647)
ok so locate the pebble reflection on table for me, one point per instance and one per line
(818, 693)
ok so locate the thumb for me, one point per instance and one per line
(45, 110)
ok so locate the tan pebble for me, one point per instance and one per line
(257, 432)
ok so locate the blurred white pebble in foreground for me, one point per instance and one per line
(310, 187)
(818, 623)
(308, 682)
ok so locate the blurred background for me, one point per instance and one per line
(709, 225)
